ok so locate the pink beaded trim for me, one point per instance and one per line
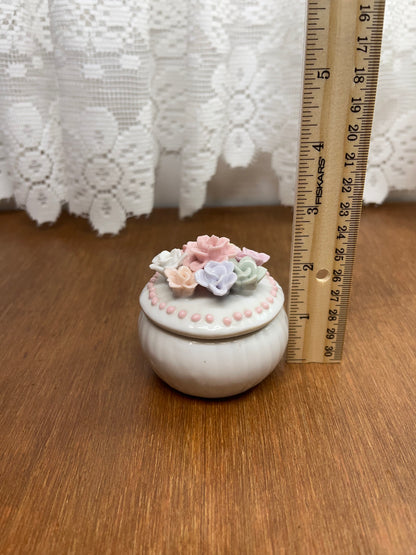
(209, 318)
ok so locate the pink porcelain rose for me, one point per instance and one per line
(259, 258)
(206, 248)
(181, 281)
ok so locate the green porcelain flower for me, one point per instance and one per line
(248, 275)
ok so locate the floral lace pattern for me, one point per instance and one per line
(96, 93)
(392, 157)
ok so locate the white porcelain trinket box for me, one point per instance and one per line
(213, 347)
(212, 321)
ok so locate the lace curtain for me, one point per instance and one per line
(95, 94)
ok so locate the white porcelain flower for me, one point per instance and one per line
(167, 259)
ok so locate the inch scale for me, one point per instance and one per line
(342, 53)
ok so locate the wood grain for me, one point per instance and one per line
(99, 456)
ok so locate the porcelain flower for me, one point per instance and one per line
(218, 277)
(259, 258)
(205, 248)
(181, 281)
(167, 259)
(248, 275)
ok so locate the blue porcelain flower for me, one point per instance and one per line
(218, 277)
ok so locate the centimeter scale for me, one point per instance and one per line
(343, 42)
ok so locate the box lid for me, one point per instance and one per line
(206, 316)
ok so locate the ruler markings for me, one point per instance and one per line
(343, 42)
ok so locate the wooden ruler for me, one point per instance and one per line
(343, 42)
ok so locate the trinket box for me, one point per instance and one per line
(212, 322)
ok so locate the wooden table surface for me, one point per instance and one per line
(99, 456)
